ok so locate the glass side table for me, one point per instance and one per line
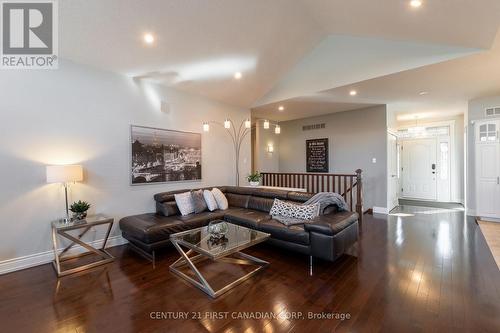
(61, 228)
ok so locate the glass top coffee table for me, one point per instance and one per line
(226, 249)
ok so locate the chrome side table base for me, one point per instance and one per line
(105, 256)
(202, 284)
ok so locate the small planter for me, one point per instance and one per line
(254, 183)
(79, 215)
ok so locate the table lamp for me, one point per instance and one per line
(65, 174)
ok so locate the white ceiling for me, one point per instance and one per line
(468, 23)
(448, 85)
(200, 44)
(341, 60)
(306, 106)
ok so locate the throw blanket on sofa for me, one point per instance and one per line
(328, 198)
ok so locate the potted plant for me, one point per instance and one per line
(79, 209)
(254, 178)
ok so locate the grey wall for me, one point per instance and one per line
(475, 112)
(265, 161)
(80, 115)
(355, 137)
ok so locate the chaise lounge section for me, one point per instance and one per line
(327, 237)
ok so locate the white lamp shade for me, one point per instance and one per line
(64, 173)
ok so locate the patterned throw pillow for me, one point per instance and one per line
(286, 209)
(210, 200)
(185, 203)
(198, 201)
(220, 198)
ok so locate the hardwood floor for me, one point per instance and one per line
(491, 232)
(425, 270)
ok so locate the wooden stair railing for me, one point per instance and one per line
(350, 186)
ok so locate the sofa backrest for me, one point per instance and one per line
(245, 197)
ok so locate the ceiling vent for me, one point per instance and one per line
(313, 127)
(491, 112)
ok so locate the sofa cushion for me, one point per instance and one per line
(150, 228)
(184, 202)
(198, 201)
(220, 198)
(246, 217)
(332, 224)
(262, 204)
(237, 200)
(294, 233)
(168, 208)
(210, 200)
(201, 219)
(299, 196)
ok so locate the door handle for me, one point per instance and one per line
(498, 180)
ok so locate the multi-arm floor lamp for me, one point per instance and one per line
(238, 136)
(65, 174)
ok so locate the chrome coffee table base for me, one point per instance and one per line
(202, 283)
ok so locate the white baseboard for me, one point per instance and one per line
(380, 210)
(15, 264)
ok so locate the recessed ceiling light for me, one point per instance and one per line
(281, 108)
(353, 92)
(423, 93)
(415, 3)
(149, 38)
(238, 75)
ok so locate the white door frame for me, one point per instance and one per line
(390, 204)
(452, 165)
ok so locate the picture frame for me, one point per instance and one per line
(160, 156)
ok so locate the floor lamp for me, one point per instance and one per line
(238, 136)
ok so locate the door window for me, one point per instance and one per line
(488, 132)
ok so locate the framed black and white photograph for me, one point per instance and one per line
(317, 155)
(161, 155)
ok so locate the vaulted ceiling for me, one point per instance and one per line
(285, 49)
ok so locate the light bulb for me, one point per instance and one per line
(266, 124)
(206, 127)
(277, 129)
(415, 3)
(248, 123)
(227, 123)
(149, 38)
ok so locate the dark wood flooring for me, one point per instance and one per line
(427, 270)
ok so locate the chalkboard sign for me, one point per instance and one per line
(317, 155)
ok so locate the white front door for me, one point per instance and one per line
(393, 179)
(419, 169)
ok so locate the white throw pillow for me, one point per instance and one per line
(210, 200)
(220, 198)
(184, 202)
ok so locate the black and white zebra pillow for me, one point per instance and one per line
(287, 209)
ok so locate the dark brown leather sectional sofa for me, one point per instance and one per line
(327, 237)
